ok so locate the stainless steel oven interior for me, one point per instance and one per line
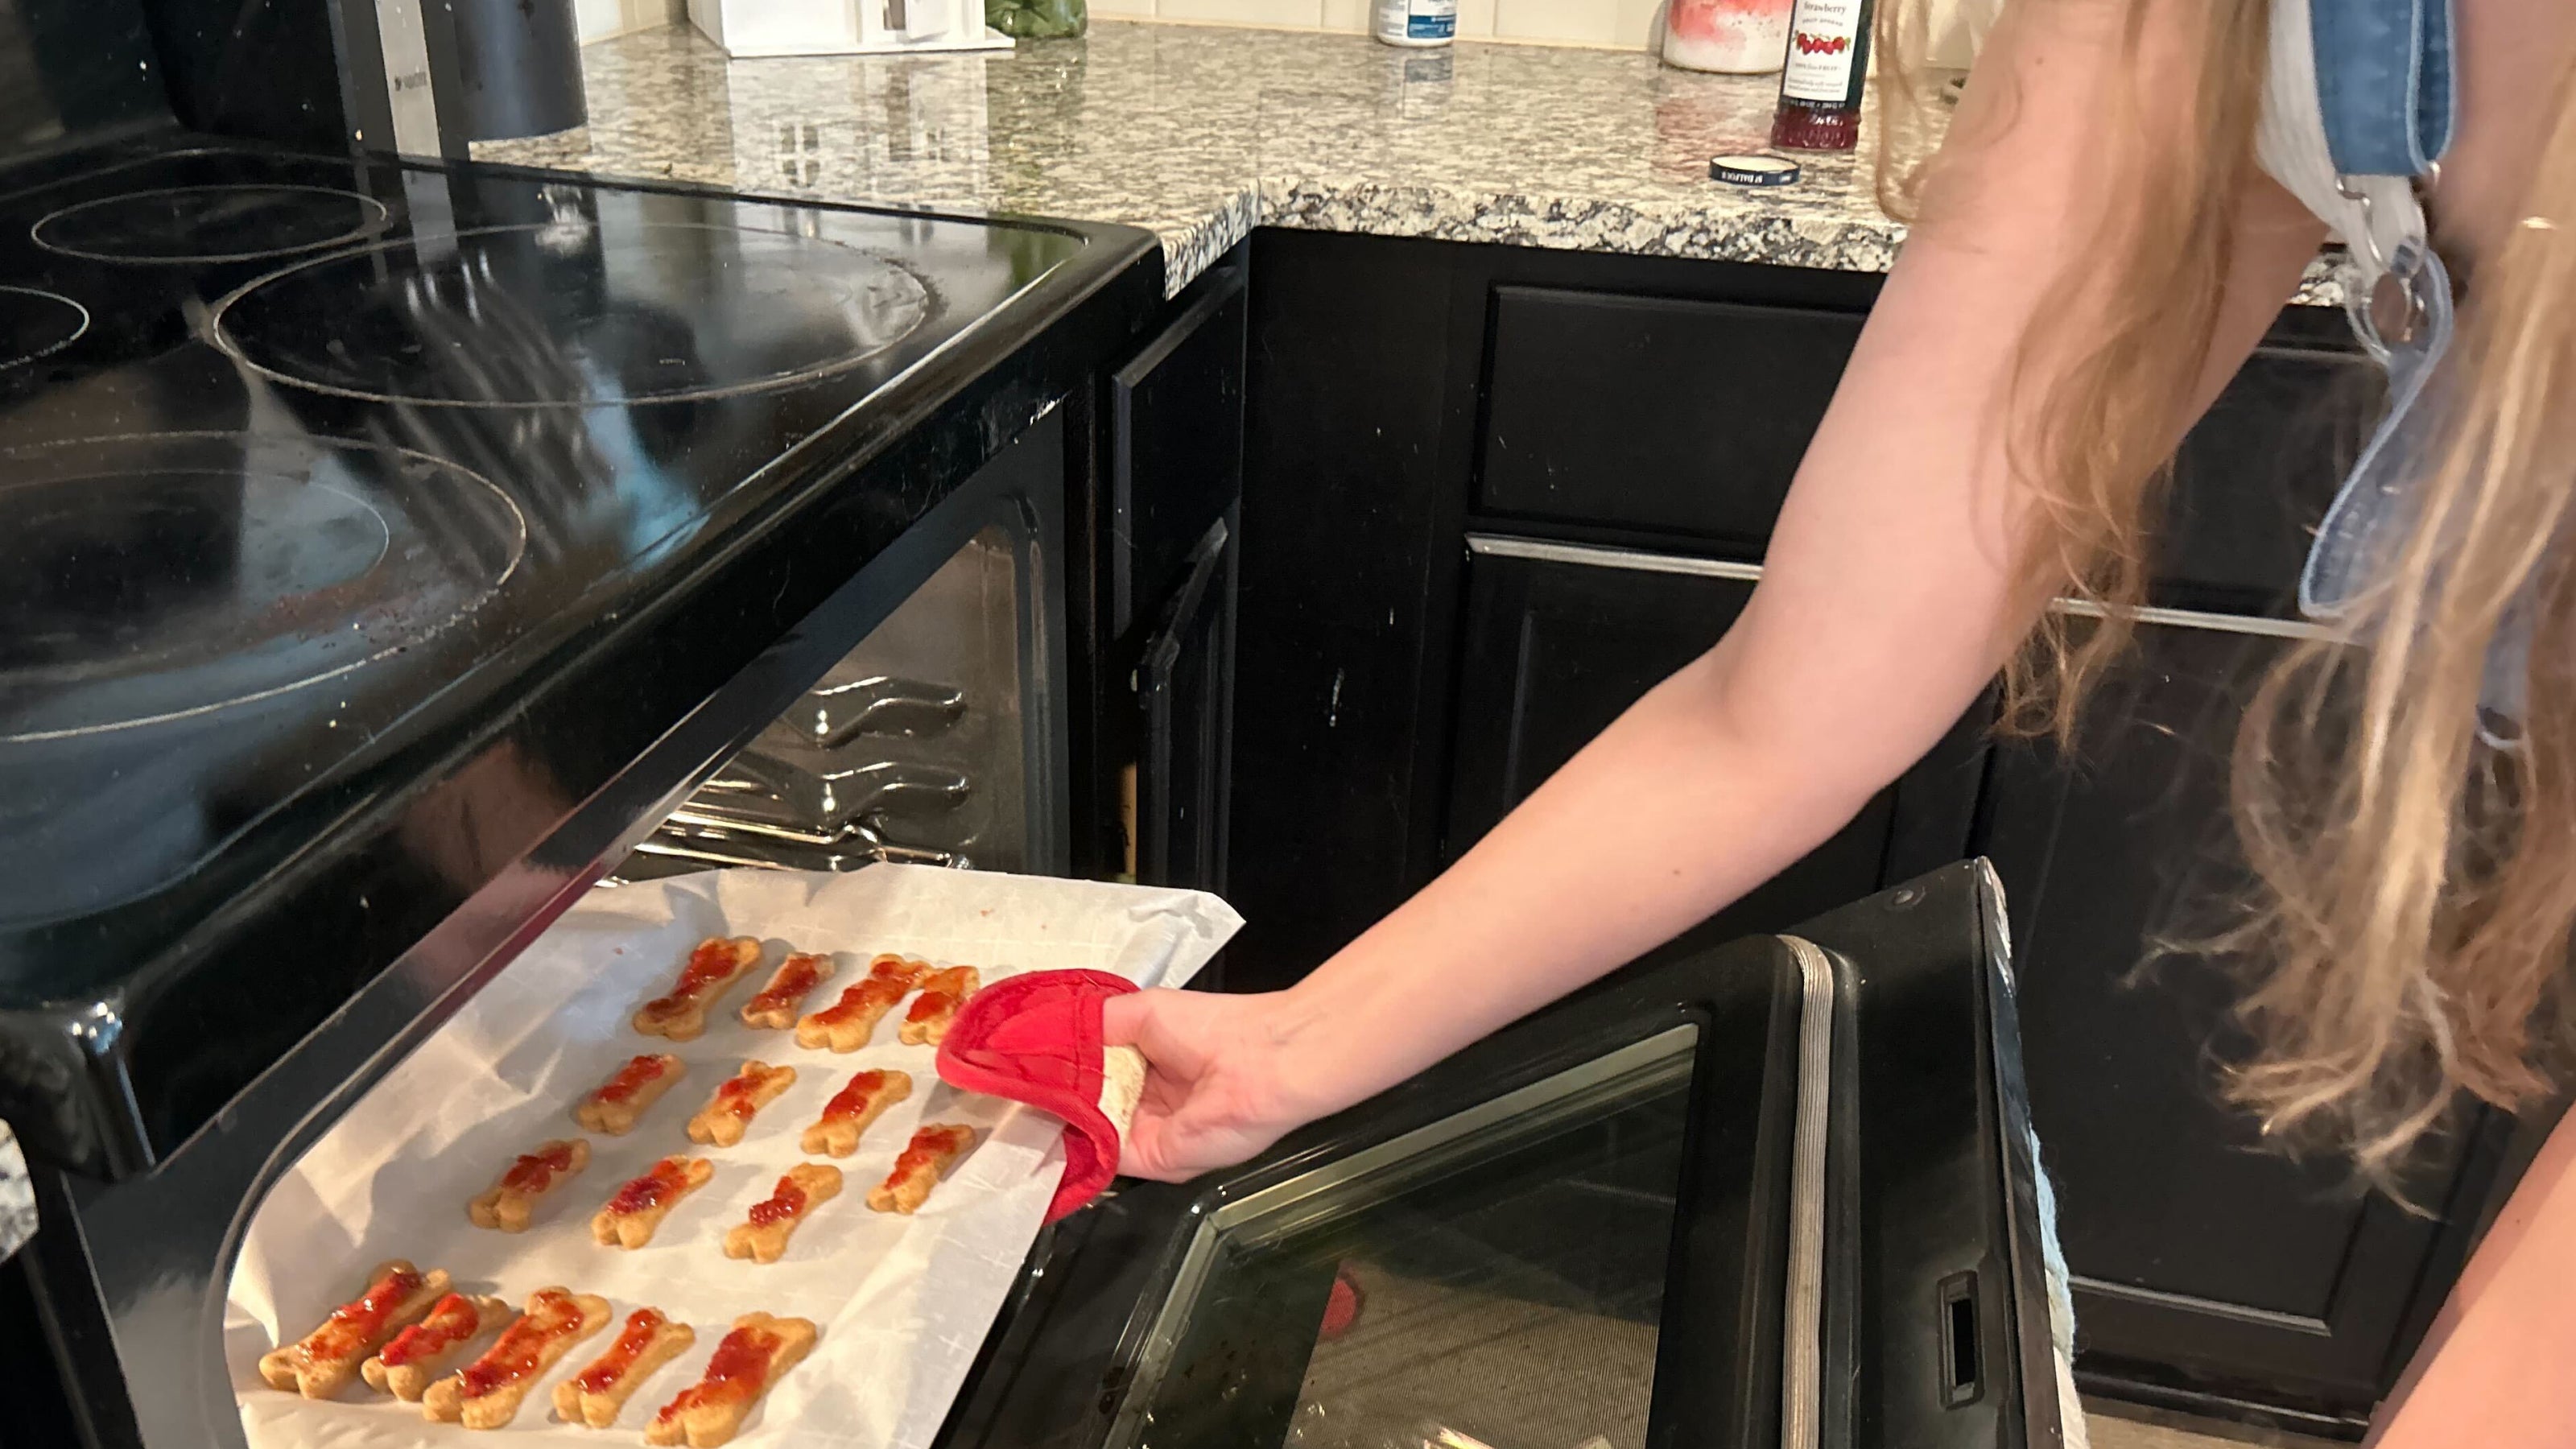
(911, 748)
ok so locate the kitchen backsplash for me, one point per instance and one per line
(600, 19)
(1625, 24)
(1618, 24)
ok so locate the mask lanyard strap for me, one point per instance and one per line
(2357, 109)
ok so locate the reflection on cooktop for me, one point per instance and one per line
(196, 224)
(152, 576)
(36, 323)
(550, 315)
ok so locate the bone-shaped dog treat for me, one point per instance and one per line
(596, 1394)
(773, 1220)
(613, 1109)
(737, 1100)
(322, 1362)
(853, 1110)
(637, 1210)
(420, 1353)
(774, 1008)
(759, 1351)
(510, 1203)
(933, 1150)
(846, 1025)
(486, 1393)
(716, 964)
(942, 992)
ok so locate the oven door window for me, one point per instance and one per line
(1495, 1278)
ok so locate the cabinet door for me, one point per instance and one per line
(1185, 687)
(1163, 567)
(1558, 640)
(1175, 449)
(2199, 1258)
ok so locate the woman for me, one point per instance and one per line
(2098, 249)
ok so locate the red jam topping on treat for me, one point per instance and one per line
(535, 1171)
(447, 1324)
(798, 976)
(712, 962)
(736, 1093)
(853, 1099)
(630, 1079)
(939, 994)
(362, 1319)
(739, 1368)
(785, 1203)
(516, 1355)
(876, 993)
(650, 1189)
(930, 1144)
(631, 1342)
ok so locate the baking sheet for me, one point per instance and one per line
(904, 1303)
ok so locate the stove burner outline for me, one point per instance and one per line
(514, 542)
(80, 325)
(218, 329)
(374, 211)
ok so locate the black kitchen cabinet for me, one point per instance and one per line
(1557, 641)
(2206, 1267)
(1163, 579)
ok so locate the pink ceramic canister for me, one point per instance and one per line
(1742, 37)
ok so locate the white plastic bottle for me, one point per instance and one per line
(1414, 22)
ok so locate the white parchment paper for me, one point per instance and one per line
(903, 1302)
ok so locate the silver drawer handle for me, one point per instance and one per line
(1489, 545)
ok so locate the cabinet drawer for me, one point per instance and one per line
(1652, 412)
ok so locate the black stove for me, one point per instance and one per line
(311, 468)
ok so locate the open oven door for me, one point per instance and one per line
(1778, 1192)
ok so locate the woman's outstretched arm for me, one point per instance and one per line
(1886, 605)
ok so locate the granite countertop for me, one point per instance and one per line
(1199, 134)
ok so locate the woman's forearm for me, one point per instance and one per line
(1668, 815)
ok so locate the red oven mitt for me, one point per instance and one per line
(1035, 1038)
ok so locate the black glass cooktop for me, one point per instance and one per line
(303, 460)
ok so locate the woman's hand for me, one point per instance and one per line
(1219, 1085)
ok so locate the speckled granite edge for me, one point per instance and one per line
(1188, 253)
(1574, 224)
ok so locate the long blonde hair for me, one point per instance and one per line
(2408, 937)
